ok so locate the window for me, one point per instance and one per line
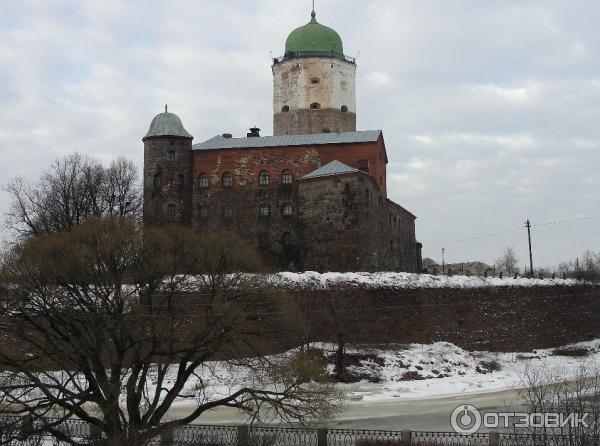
(391, 245)
(315, 80)
(203, 181)
(180, 180)
(287, 177)
(203, 211)
(228, 212)
(263, 178)
(264, 210)
(286, 239)
(172, 156)
(287, 210)
(315, 106)
(285, 109)
(344, 109)
(157, 180)
(171, 210)
(227, 179)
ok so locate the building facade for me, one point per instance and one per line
(311, 197)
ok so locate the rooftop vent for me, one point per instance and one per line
(254, 133)
(227, 135)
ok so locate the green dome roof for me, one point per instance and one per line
(314, 38)
(167, 124)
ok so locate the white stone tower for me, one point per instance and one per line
(314, 84)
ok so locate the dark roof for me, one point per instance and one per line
(333, 168)
(219, 142)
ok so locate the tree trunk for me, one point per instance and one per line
(340, 368)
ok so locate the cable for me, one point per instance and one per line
(506, 231)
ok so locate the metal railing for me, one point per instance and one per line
(303, 54)
(22, 433)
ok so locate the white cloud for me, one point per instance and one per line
(490, 109)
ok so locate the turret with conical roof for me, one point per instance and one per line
(168, 168)
(314, 83)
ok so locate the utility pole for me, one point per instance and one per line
(528, 226)
(443, 262)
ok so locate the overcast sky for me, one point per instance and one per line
(490, 109)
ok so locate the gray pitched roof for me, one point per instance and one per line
(219, 142)
(333, 168)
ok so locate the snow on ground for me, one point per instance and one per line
(314, 280)
(442, 370)
(416, 371)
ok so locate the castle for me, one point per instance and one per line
(311, 197)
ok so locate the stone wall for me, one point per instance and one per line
(305, 122)
(171, 200)
(493, 318)
(328, 82)
(347, 225)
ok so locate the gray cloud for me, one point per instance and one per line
(489, 109)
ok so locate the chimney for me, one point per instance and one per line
(227, 135)
(254, 132)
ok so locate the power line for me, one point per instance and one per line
(509, 230)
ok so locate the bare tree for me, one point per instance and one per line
(563, 392)
(507, 263)
(73, 189)
(111, 326)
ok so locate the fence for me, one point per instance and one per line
(212, 435)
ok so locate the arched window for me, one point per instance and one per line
(285, 109)
(227, 179)
(180, 180)
(172, 156)
(315, 106)
(203, 211)
(157, 180)
(287, 210)
(287, 177)
(344, 109)
(203, 181)
(264, 210)
(263, 178)
(286, 239)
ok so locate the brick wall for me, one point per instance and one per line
(364, 244)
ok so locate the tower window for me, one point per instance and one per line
(228, 212)
(203, 211)
(203, 181)
(285, 109)
(157, 180)
(287, 177)
(227, 179)
(180, 180)
(287, 210)
(263, 178)
(264, 210)
(286, 239)
(315, 80)
(344, 109)
(172, 156)
(315, 106)
(171, 210)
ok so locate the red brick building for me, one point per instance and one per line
(314, 196)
